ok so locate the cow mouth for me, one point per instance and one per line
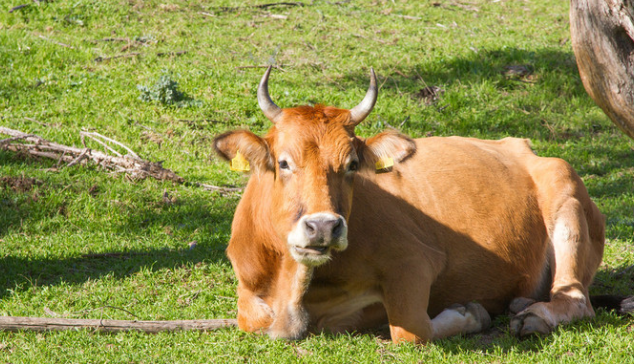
(311, 250)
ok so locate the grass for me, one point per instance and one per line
(51, 218)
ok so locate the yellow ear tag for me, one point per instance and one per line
(384, 163)
(239, 163)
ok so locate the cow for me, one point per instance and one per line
(432, 236)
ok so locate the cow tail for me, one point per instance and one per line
(620, 304)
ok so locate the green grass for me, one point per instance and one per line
(56, 216)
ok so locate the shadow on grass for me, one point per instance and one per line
(498, 341)
(17, 271)
(35, 207)
(526, 77)
(497, 66)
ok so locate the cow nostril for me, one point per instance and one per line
(337, 228)
(311, 228)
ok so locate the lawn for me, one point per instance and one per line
(81, 242)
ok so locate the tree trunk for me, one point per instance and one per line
(602, 33)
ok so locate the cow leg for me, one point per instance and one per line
(459, 319)
(253, 313)
(455, 320)
(574, 258)
(291, 318)
(406, 304)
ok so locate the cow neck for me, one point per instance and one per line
(261, 211)
(292, 278)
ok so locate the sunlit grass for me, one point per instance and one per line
(57, 229)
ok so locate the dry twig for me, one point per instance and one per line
(177, 53)
(225, 190)
(130, 163)
(279, 67)
(261, 6)
(134, 54)
(56, 42)
(408, 17)
(127, 55)
(18, 7)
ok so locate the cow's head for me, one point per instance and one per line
(312, 155)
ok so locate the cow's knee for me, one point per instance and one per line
(254, 315)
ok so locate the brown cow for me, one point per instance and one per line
(454, 221)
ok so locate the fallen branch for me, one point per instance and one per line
(18, 7)
(270, 5)
(135, 54)
(261, 6)
(60, 324)
(56, 42)
(408, 17)
(178, 53)
(129, 163)
(279, 67)
(225, 190)
(127, 55)
(127, 40)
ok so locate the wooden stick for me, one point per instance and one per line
(177, 53)
(279, 67)
(261, 6)
(18, 7)
(94, 137)
(220, 189)
(408, 17)
(127, 55)
(56, 42)
(270, 5)
(59, 324)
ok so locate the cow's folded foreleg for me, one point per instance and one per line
(254, 315)
(291, 318)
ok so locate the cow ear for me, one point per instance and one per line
(383, 150)
(244, 150)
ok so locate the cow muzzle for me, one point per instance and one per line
(315, 236)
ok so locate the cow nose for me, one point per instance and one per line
(322, 228)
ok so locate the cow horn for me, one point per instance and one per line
(268, 107)
(361, 111)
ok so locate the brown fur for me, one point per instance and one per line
(457, 220)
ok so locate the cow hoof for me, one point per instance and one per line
(476, 317)
(285, 335)
(528, 323)
(479, 315)
(459, 308)
(519, 304)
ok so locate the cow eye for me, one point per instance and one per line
(354, 166)
(283, 164)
